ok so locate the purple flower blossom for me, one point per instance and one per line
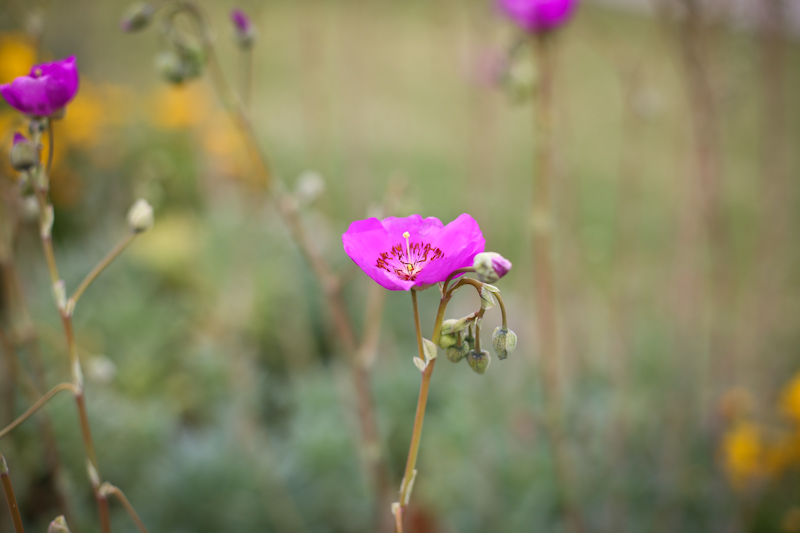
(538, 15)
(400, 253)
(241, 21)
(47, 89)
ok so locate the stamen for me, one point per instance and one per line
(407, 261)
(37, 73)
(406, 235)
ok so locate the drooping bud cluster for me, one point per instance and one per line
(479, 360)
(183, 63)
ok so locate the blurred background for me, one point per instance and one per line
(219, 397)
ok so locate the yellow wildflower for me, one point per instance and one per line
(179, 107)
(743, 453)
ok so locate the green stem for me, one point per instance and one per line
(419, 417)
(98, 269)
(36, 406)
(10, 498)
(110, 490)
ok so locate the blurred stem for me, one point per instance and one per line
(50, 147)
(99, 268)
(11, 376)
(110, 490)
(544, 283)
(10, 498)
(246, 65)
(36, 406)
(330, 282)
(419, 417)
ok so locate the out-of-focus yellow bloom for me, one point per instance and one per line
(743, 454)
(17, 56)
(224, 145)
(179, 107)
(790, 399)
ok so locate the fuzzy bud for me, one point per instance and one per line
(59, 525)
(456, 353)
(137, 17)
(140, 216)
(24, 155)
(479, 361)
(243, 27)
(504, 342)
(491, 266)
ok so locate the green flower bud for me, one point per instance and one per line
(456, 353)
(137, 17)
(491, 266)
(24, 155)
(446, 341)
(479, 361)
(504, 342)
(170, 66)
(59, 525)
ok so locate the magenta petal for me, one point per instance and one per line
(460, 241)
(48, 88)
(429, 254)
(538, 15)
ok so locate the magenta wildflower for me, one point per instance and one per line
(538, 16)
(47, 89)
(400, 253)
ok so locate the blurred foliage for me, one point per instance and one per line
(219, 399)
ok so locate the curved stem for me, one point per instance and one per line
(36, 406)
(111, 490)
(502, 309)
(10, 498)
(98, 269)
(453, 274)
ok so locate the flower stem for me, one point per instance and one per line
(10, 498)
(110, 490)
(417, 325)
(99, 268)
(543, 223)
(419, 417)
(51, 137)
(36, 406)
(330, 282)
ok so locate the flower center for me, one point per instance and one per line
(407, 261)
(37, 73)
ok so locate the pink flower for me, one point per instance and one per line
(400, 253)
(538, 15)
(241, 21)
(47, 89)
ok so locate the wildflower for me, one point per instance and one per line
(537, 16)
(45, 91)
(401, 253)
(743, 452)
(243, 26)
(491, 266)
